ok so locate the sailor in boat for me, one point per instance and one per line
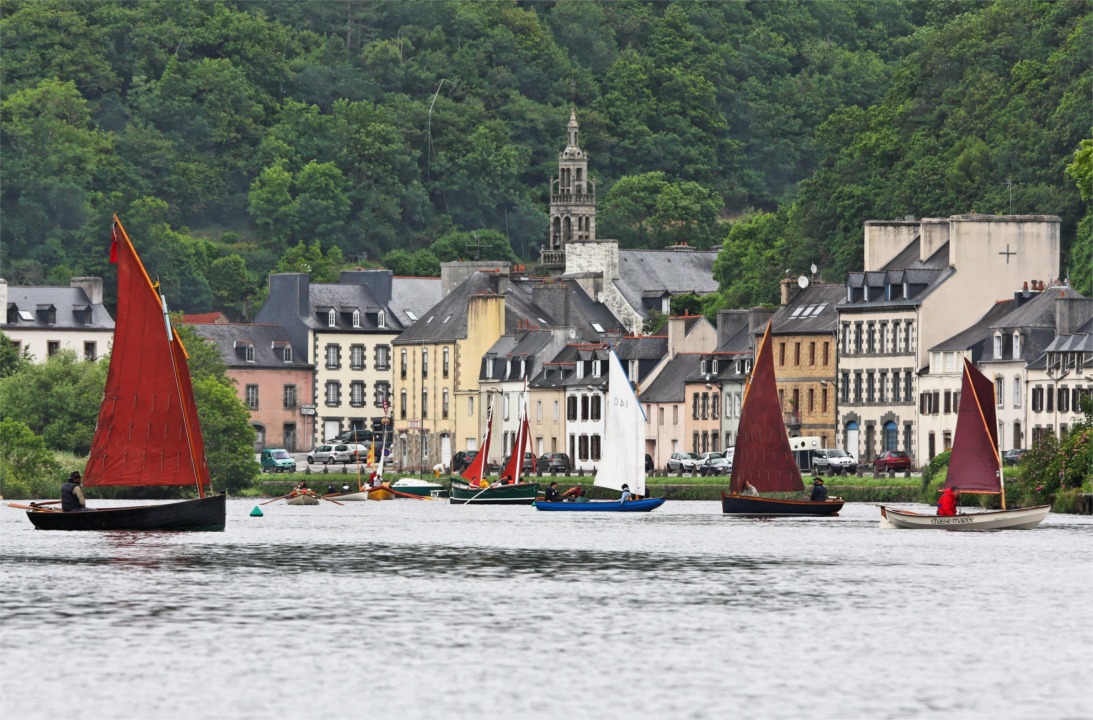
(574, 493)
(551, 494)
(749, 489)
(72, 498)
(819, 492)
(626, 494)
(946, 504)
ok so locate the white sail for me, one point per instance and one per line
(622, 458)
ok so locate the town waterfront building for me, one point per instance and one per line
(923, 281)
(43, 320)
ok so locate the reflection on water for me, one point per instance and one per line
(408, 609)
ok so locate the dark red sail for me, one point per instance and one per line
(148, 432)
(974, 465)
(479, 466)
(763, 456)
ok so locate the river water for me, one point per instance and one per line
(415, 609)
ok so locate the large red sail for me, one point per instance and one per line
(763, 455)
(148, 432)
(974, 465)
(478, 466)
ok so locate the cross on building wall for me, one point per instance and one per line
(1007, 253)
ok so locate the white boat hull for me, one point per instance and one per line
(1019, 519)
(349, 497)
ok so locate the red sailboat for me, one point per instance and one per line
(148, 431)
(975, 467)
(508, 491)
(763, 456)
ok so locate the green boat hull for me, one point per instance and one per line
(518, 494)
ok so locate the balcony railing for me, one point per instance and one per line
(792, 418)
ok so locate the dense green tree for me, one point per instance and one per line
(57, 399)
(420, 263)
(323, 268)
(12, 359)
(24, 457)
(472, 245)
(1080, 262)
(271, 205)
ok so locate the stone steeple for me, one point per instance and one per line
(572, 200)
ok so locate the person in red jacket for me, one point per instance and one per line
(946, 504)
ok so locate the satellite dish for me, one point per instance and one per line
(814, 268)
(802, 282)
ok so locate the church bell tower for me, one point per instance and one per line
(572, 201)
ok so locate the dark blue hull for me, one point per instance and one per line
(752, 506)
(644, 505)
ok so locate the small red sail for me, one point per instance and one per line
(476, 469)
(763, 455)
(974, 465)
(514, 467)
(147, 432)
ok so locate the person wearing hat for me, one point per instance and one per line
(72, 499)
(819, 492)
(626, 494)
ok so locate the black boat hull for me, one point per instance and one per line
(204, 514)
(752, 506)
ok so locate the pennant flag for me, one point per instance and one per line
(114, 244)
(372, 454)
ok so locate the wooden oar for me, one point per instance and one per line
(33, 506)
(324, 497)
(405, 495)
(282, 497)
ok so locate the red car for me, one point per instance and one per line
(892, 460)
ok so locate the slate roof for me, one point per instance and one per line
(1035, 320)
(447, 320)
(561, 372)
(232, 339)
(668, 386)
(535, 347)
(27, 306)
(979, 336)
(909, 279)
(645, 275)
(810, 312)
(412, 297)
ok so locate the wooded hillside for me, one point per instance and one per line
(232, 137)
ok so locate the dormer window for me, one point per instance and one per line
(331, 318)
(595, 368)
(508, 370)
(48, 314)
(82, 314)
(248, 353)
(714, 364)
(1017, 349)
(906, 291)
(703, 369)
(356, 318)
(580, 369)
(489, 367)
(286, 353)
(381, 319)
(998, 346)
(523, 367)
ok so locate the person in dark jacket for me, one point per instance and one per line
(946, 504)
(551, 493)
(72, 499)
(819, 492)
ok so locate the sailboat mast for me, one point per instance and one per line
(178, 385)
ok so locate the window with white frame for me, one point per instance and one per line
(1017, 349)
(447, 361)
(248, 353)
(252, 397)
(383, 390)
(1017, 392)
(356, 318)
(424, 403)
(424, 362)
(402, 404)
(470, 406)
(286, 353)
(333, 392)
(383, 357)
(381, 319)
(290, 397)
(333, 357)
(356, 393)
(999, 391)
(331, 318)
(403, 363)
(998, 346)
(444, 403)
(356, 357)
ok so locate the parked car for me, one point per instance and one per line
(555, 463)
(277, 460)
(322, 454)
(833, 461)
(682, 461)
(462, 460)
(715, 464)
(892, 460)
(351, 453)
(648, 463)
(1012, 457)
(354, 436)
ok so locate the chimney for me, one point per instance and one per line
(789, 289)
(378, 283)
(1071, 313)
(553, 298)
(729, 323)
(291, 292)
(757, 320)
(92, 287)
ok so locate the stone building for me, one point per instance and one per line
(43, 320)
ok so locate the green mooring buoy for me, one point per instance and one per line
(256, 512)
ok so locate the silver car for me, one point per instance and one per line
(682, 461)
